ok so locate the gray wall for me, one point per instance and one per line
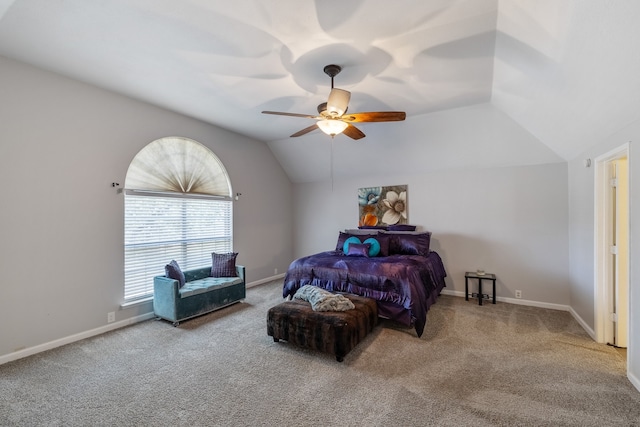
(582, 238)
(62, 144)
(511, 221)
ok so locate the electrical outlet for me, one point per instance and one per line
(275, 271)
(518, 294)
(111, 317)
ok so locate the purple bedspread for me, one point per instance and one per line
(412, 282)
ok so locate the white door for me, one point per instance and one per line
(620, 267)
(612, 247)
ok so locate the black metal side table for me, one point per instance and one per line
(472, 275)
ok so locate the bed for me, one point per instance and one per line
(404, 276)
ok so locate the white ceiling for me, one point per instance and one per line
(565, 72)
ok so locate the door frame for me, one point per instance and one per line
(603, 232)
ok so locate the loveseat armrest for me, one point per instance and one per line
(165, 294)
(241, 272)
(166, 285)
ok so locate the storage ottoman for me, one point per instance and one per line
(333, 332)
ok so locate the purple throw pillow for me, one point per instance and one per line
(342, 237)
(223, 265)
(384, 240)
(374, 246)
(350, 240)
(358, 249)
(410, 243)
(173, 271)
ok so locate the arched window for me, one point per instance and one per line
(178, 206)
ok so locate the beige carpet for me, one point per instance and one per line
(474, 366)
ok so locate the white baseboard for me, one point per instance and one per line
(634, 380)
(452, 293)
(582, 323)
(530, 303)
(265, 280)
(72, 338)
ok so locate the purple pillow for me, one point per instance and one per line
(342, 237)
(385, 241)
(223, 265)
(358, 249)
(409, 243)
(374, 246)
(173, 271)
(350, 240)
(401, 227)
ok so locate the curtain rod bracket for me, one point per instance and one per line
(117, 186)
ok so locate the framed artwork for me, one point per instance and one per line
(382, 205)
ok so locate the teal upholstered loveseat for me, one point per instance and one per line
(199, 295)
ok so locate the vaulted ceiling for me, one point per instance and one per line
(519, 80)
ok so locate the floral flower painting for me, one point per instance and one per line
(382, 205)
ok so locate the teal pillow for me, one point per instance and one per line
(374, 246)
(352, 239)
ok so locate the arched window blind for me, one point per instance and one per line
(178, 206)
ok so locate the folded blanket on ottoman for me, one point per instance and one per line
(334, 332)
(323, 300)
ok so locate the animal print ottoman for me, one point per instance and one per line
(333, 332)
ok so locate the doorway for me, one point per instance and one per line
(612, 248)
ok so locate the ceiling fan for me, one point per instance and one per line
(332, 116)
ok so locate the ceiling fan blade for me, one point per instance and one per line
(375, 116)
(338, 102)
(305, 130)
(280, 113)
(353, 132)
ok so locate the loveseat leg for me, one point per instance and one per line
(175, 324)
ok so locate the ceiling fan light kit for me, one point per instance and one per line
(332, 127)
(332, 119)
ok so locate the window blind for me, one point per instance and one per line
(159, 229)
